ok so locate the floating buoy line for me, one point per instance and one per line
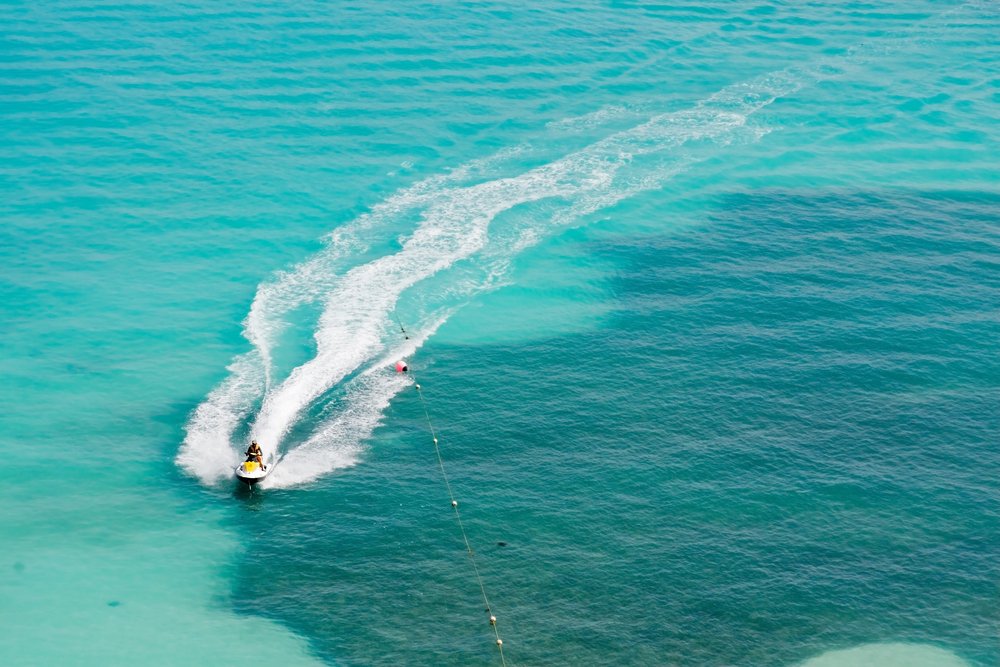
(403, 367)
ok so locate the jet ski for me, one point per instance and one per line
(251, 472)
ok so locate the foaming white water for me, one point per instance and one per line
(312, 280)
(337, 442)
(593, 119)
(207, 451)
(454, 214)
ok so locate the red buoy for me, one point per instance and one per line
(401, 366)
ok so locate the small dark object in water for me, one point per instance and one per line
(501, 544)
(114, 603)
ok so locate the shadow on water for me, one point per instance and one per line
(252, 498)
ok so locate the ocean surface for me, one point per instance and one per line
(704, 300)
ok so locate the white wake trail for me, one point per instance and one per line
(311, 281)
(207, 451)
(337, 442)
(454, 219)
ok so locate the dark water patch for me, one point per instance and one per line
(783, 441)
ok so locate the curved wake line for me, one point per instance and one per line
(454, 219)
(207, 451)
(452, 238)
(454, 227)
(337, 442)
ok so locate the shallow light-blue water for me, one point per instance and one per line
(704, 300)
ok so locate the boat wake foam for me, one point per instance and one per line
(458, 232)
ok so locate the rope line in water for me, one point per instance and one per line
(454, 507)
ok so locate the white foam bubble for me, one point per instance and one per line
(592, 119)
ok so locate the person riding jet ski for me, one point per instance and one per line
(254, 453)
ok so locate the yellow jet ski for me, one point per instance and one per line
(251, 472)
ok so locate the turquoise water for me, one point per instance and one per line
(704, 300)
